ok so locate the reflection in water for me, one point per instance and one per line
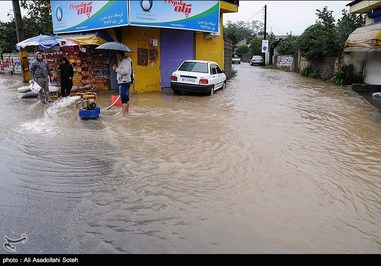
(276, 163)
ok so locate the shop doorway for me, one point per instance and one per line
(175, 47)
(373, 68)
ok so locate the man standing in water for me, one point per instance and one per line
(40, 73)
(123, 75)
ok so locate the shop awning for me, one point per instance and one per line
(364, 38)
(91, 38)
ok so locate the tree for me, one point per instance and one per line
(289, 46)
(347, 24)
(241, 30)
(38, 21)
(325, 18)
(320, 39)
(256, 46)
(9, 39)
(243, 49)
(40, 18)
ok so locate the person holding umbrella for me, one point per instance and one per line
(123, 75)
(40, 73)
(124, 71)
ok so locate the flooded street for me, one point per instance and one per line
(275, 163)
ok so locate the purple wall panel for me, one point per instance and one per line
(176, 46)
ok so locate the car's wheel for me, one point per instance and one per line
(223, 86)
(211, 92)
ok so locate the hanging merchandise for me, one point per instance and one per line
(90, 67)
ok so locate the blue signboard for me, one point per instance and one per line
(76, 16)
(178, 14)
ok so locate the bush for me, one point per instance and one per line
(346, 75)
(309, 72)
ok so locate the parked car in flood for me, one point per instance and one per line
(236, 59)
(198, 76)
(256, 60)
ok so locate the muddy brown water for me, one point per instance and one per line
(275, 163)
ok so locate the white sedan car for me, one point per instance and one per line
(197, 76)
(256, 60)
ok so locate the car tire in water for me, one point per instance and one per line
(211, 92)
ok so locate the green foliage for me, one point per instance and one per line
(256, 46)
(289, 46)
(347, 24)
(39, 19)
(285, 69)
(234, 73)
(324, 38)
(325, 18)
(318, 41)
(309, 72)
(240, 30)
(9, 38)
(243, 49)
(346, 76)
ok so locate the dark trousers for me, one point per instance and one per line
(66, 85)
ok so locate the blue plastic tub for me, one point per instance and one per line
(89, 114)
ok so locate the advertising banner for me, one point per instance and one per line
(77, 16)
(179, 14)
(265, 46)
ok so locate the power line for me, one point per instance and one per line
(274, 24)
(255, 14)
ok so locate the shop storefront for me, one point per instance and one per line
(363, 51)
(161, 33)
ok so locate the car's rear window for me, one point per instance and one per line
(194, 67)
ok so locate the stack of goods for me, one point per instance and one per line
(27, 92)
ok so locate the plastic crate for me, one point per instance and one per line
(89, 114)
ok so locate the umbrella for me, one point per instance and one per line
(115, 46)
(44, 42)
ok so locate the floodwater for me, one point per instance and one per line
(275, 163)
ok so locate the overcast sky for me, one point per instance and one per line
(5, 8)
(283, 17)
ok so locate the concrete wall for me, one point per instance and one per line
(228, 51)
(327, 65)
(357, 59)
(324, 65)
(285, 61)
(10, 63)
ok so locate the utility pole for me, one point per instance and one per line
(18, 21)
(264, 34)
(20, 33)
(265, 42)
